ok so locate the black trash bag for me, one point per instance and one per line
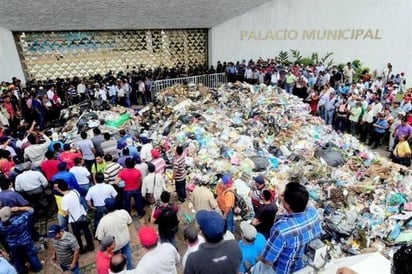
(275, 151)
(294, 158)
(331, 157)
(185, 118)
(261, 163)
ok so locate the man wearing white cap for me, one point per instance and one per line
(251, 245)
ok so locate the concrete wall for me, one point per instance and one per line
(54, 15)
(10, 65)
(374, 31)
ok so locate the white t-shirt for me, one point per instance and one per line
(145, 152)
(99, 192)
(71, 203)
(86, 146)
(160, 260)
(115, 223)
(82, 174)
(191, 249)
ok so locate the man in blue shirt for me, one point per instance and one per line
(9, 197)
(379, 128)
(251, 245)
(67, 176)
(290, 235)
(14, 229)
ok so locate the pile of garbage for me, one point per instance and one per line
(365, 200)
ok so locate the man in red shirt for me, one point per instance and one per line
(68, 155)
(49, 167)
(132, 179)
(103, 256)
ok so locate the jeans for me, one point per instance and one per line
(329, 116)
(88, 164)
(98, 215)
(63, 221)
(353, 127)
(66, 268)
(83, 191)
(19, 255)
(181, 190)
(127, 251)
(77, 228)
(137, 196)
(340, 123)
(289, 88)
(230, 222)
(171, 240)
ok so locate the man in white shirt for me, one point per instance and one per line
(72, 207)
(31, 184)
(116, 223)
(87, 149)
(81, 90)
(96, 195)
(153, 183)
(193, 241)
(146, 151)
(81, 173)
(160, 257)
(35, 153)
(376, 106)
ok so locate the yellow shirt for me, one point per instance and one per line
(402, 149)
(59, 204)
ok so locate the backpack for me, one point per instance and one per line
(167, 221)
(240, 207)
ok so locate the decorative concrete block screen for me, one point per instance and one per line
(49, 55)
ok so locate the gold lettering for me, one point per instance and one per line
(292, 34)
(368, 34)
(359, 32)
(309, 35)
(332, 34)
(318, 34)
(344, 32)
(377, 37)
(277, 35)
(269, 35)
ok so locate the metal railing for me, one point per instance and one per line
(209, 80)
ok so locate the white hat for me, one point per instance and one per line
(249, 231)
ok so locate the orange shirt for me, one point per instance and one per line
(225, 198)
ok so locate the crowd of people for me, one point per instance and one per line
(91, 181)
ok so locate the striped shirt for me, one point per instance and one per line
(160, 165)
(179, 168)
(111, 172)
(65, 248)
(288, 239)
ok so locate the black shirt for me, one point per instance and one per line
(221, 258)
(266, 215)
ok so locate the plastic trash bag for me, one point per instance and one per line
(261, 163)
(330, 156)
(261, 268)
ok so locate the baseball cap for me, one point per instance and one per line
(211, 223)
(155, 153)
(148, 236)
(5, 213)
(110, 204)
(107, 241)
(259, 179)
(227, 180)
(248, 231)
(53, 230)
